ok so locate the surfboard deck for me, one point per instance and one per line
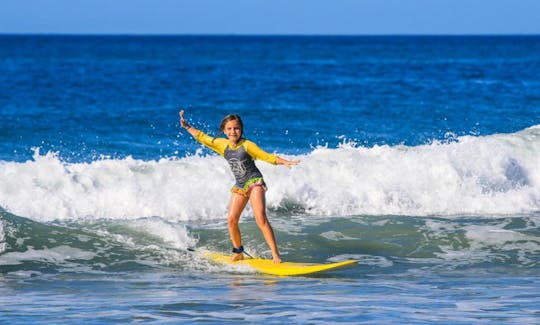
(266, 266)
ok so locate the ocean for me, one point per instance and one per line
(420, 158)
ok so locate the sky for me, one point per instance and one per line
(271, 17)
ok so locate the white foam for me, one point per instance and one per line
(498, 174)
(48, 189)
(489, 241)
(484, 237)
(3, 244)
(174, 235)
(371, 260)
(336, 236)
(57, 255)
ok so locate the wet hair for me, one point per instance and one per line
(232, 117)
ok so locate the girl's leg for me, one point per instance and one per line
(236, 206)
(258, 203)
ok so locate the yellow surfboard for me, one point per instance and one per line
(266, 266)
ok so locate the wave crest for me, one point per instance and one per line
(497, 174)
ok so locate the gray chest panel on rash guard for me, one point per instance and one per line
(242, 165)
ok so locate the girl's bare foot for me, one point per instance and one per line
(276, 259)
(237, 257)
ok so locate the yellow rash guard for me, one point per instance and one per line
(241, 160)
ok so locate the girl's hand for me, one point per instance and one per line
(291, 163)
(287, 163)
(183, 122)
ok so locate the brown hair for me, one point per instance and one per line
(232, 117)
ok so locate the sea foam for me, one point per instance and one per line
(2, 238)
(470, 175)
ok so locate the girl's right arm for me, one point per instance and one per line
(191, 130)
(215, 144)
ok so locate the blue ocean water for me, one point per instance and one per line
(420, 157)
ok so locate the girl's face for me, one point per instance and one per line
(233, 131)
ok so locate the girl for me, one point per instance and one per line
(240, 154)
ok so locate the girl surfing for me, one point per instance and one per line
(241, 154)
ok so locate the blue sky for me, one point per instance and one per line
(364, 17)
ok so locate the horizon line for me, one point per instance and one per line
(272, 35)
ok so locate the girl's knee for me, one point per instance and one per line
(262, 221)
(233, 221)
